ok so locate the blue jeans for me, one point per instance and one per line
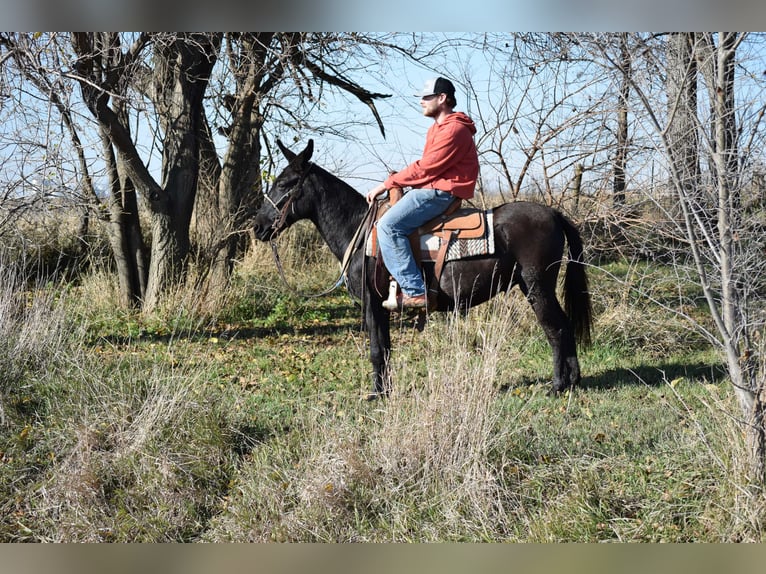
(415, 208)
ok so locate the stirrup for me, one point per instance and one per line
(391, 303)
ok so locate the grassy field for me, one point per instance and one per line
(251, 425)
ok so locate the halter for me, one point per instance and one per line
(279, 223)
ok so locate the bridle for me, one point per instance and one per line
(279, 222)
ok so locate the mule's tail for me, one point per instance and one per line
(576, 295)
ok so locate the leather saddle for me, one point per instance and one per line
(432, 240)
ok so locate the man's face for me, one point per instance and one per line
(431, 104)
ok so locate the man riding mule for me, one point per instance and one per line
(528, 250)
(446, 172)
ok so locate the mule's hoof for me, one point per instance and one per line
(558, 390)
(375, 395)
(420, 321)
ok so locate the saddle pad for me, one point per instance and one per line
(460, 248)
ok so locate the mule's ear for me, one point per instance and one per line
(286, 152)
(306, 154)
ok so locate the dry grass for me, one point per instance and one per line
(180, 428)
(140, 460)
(97, 445)
(429, 456)
(32, 331)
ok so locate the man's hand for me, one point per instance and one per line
(375, 192)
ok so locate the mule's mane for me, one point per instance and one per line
(337, 184)
(339, 208)
(338, 196)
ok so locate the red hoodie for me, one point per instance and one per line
(450, 161)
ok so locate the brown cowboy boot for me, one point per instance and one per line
(403, 301)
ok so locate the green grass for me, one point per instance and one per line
(250, 425)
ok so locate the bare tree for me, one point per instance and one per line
(723, 238)
(546, 118)
(44, 164)
(276, 77)
(176, 86)
(682, 124)
(731, 307)
(259, 66)
(196, 93)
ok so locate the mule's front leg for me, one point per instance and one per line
(381, 380)
(378, 327)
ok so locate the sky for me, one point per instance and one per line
(365, 160)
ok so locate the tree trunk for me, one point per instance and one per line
(124, 230)
(618, 195)
(683, 140)
(232, 190)
(579, 169)
(127, 245)
(183, 67)
(747, 386)
(228, 196)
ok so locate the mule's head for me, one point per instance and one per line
(281, 204)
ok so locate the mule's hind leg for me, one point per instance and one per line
(557, 328)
